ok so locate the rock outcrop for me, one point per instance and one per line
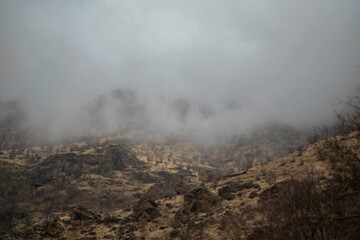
(226, 193)
(200, 200)
(146, 209)
(50, 229)
(81, 213)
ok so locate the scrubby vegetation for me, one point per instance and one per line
(318, 206)
(180, 191)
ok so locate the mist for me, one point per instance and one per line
(209, 68)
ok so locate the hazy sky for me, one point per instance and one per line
(272, 60)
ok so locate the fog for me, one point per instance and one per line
(210, 68)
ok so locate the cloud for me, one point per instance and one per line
(269, 60)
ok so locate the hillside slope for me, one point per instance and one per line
(229, 207)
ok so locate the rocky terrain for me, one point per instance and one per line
(217, 209)
(120, 187)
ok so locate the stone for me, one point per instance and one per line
(146, 209)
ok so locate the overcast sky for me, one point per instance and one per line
(275, 60)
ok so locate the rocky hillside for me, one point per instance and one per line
(234, 206)
(111, 174)
(264, 185)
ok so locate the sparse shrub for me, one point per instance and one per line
(349, 122)
(270, 177)
(233, 226)
(300, 150)
(247, 164)
(315, 207)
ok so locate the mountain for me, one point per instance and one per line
(109, 192)
(266, 184)
(110, 174)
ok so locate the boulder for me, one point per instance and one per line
(50, 228)
(81, 213)
(200, 200)
(226, 193)
(274, 190)
(253, 194)
(146, 209)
